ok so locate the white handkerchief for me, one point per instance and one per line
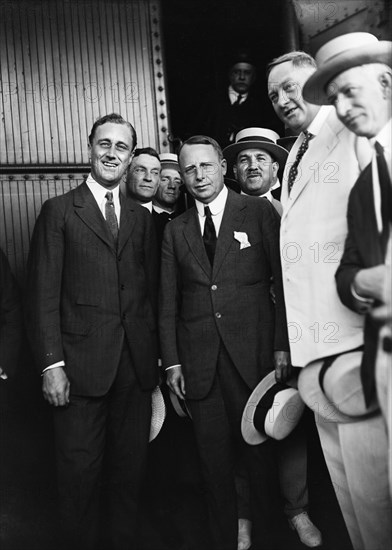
(242, 238)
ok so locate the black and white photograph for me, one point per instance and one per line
(195, 275)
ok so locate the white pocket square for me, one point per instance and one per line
(242, 238)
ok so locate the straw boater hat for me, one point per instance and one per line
(158, 413)
(169, 160)
(332, 388)
(254, 138)
(340, 54)
(272, 411)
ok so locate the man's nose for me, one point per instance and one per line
(147, 176)
(200, 174)
(111, 152)
(342, 106)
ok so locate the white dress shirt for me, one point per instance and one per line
(217, 207)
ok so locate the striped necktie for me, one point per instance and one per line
(110, 215)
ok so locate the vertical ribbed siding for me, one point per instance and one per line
(63, 64)
(21, 198)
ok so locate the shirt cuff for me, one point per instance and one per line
(54, 366)
(172, 367)
(364, 303)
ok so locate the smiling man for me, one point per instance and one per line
(91, 301)
(219, 330)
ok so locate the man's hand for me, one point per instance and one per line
(371, 282)
(175, 381)
(55, 387)
(282, 364)
(3, 374)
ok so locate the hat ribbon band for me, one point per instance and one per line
(328, 362)
(255, 138)
(265, 404)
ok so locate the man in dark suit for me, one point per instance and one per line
(10, 320)
(91, 299)
(223, 114)
(354, 75)
(220, 332)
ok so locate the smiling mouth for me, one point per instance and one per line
(109, 164)
(289, 112)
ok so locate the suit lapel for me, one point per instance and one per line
(127, 221)
(192, 235)
(232, 220)
(87, 209)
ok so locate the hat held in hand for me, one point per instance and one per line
(272, 411)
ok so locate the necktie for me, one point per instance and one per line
(110, 215)
(300, 153)
(209, 235)
(385, 188)
(238, 100)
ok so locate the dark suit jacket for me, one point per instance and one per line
(219, 119)
(84, 295)
(364, 247)
(200, 306)
(10, 318)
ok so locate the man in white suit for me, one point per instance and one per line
(321, 169)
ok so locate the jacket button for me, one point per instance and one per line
(218, 315)
(122, 287)
(124, 316)
(214, 287)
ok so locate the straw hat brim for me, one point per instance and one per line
(158, 413)
(249, 432)
(314, 88)
(279, 153)
(348, 404)
(180, 407)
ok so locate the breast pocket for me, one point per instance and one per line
(249, 264)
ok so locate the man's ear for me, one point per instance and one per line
(235, 171)
(224, 166)
(385, 80)
(275, 168)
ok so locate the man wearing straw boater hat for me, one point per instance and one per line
(255, 159)
(322, 167)
(354, 75)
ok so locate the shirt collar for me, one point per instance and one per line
(216, 206)
(267, 195)
(318, 121)
(159, 209)
(234, 95)
(384, 136)
(147, 205)
(99, 191)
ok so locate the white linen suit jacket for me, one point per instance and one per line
(312, 236)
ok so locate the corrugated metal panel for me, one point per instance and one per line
(64, 63)
(21, 198)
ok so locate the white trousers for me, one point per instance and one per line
(357, 459)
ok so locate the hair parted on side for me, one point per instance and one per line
(146, 151)
(298, 59)
(203, 140)
(116, 119)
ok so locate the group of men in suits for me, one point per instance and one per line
(243, 292)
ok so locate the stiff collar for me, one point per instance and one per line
(318, 121)
(267, 195)
(216, 206)
(99, 191)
